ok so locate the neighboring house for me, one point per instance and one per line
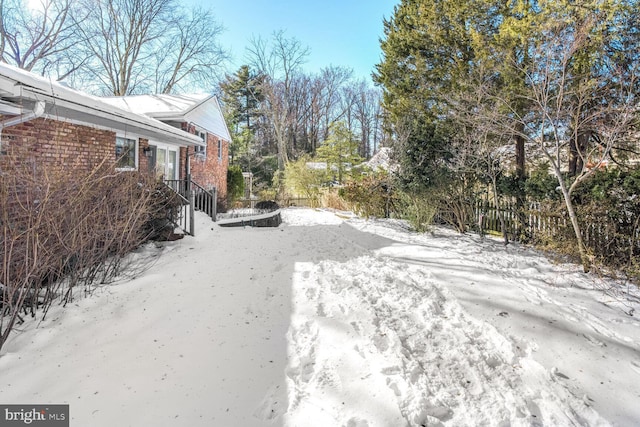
(197, 114)
(44, 122)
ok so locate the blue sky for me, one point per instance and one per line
(337, 32)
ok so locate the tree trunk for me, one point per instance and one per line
(499, 212)
(577, 151)
(520, 177)
(520, 154)
(584, 258)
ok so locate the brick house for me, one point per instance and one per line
(196, 114)
(172, 135)
(44, 122)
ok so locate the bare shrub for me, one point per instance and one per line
(330, 198)
(371, 196)
(68, 230)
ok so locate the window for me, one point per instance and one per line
(172, 165)
(166, 162)
(125, 153)
(219, 150)
(201, 151)
(161, 162)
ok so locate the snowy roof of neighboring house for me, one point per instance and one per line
(382, 159)
(201, 110)
(316, 165)
(21, 91)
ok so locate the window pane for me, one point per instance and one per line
(171, 165)
(161, 162)
(125, 153)
(201, 151)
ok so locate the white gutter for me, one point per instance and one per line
(37, 111)
(9, 109)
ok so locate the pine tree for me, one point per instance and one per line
(429, 49)
(242, 96)
(339, 150)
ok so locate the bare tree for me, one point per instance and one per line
(39, 39)
(349, 95)
(333, 79)
(190, 52)
(140, 46)
(564, 105)
(278, 61)
(120, 35)
(277, 110)
(279, 58)
(366, 110)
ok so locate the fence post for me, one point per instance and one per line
(214, 209)
(192, 215)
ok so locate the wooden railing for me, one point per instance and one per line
(204, 200)
(194, 197)
(183, 218)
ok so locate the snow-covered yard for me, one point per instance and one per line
(332, 320)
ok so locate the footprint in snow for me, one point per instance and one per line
(357, 422)
(594, 341)
(273, 405)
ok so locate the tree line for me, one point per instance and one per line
(276, 110)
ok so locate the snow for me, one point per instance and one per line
(333, 320)
(158, 103)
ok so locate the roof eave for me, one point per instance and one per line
(18, 84)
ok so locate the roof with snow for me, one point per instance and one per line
(201, 110)
(21, 92)
(382, 159)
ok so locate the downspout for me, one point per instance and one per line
(38, 111)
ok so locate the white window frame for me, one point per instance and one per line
(219, 150)
(136, 145)
(201, 151)
(168, 148)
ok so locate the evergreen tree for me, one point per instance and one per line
(242, 97)
(429, 49)
(339, 150)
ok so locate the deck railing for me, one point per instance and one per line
(194, 197)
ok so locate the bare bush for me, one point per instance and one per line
(63, 232)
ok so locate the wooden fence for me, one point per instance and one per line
(605, 235)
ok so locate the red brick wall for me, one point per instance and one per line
(212, 170)
(75, 147)
(57, 144)
(143, 160)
